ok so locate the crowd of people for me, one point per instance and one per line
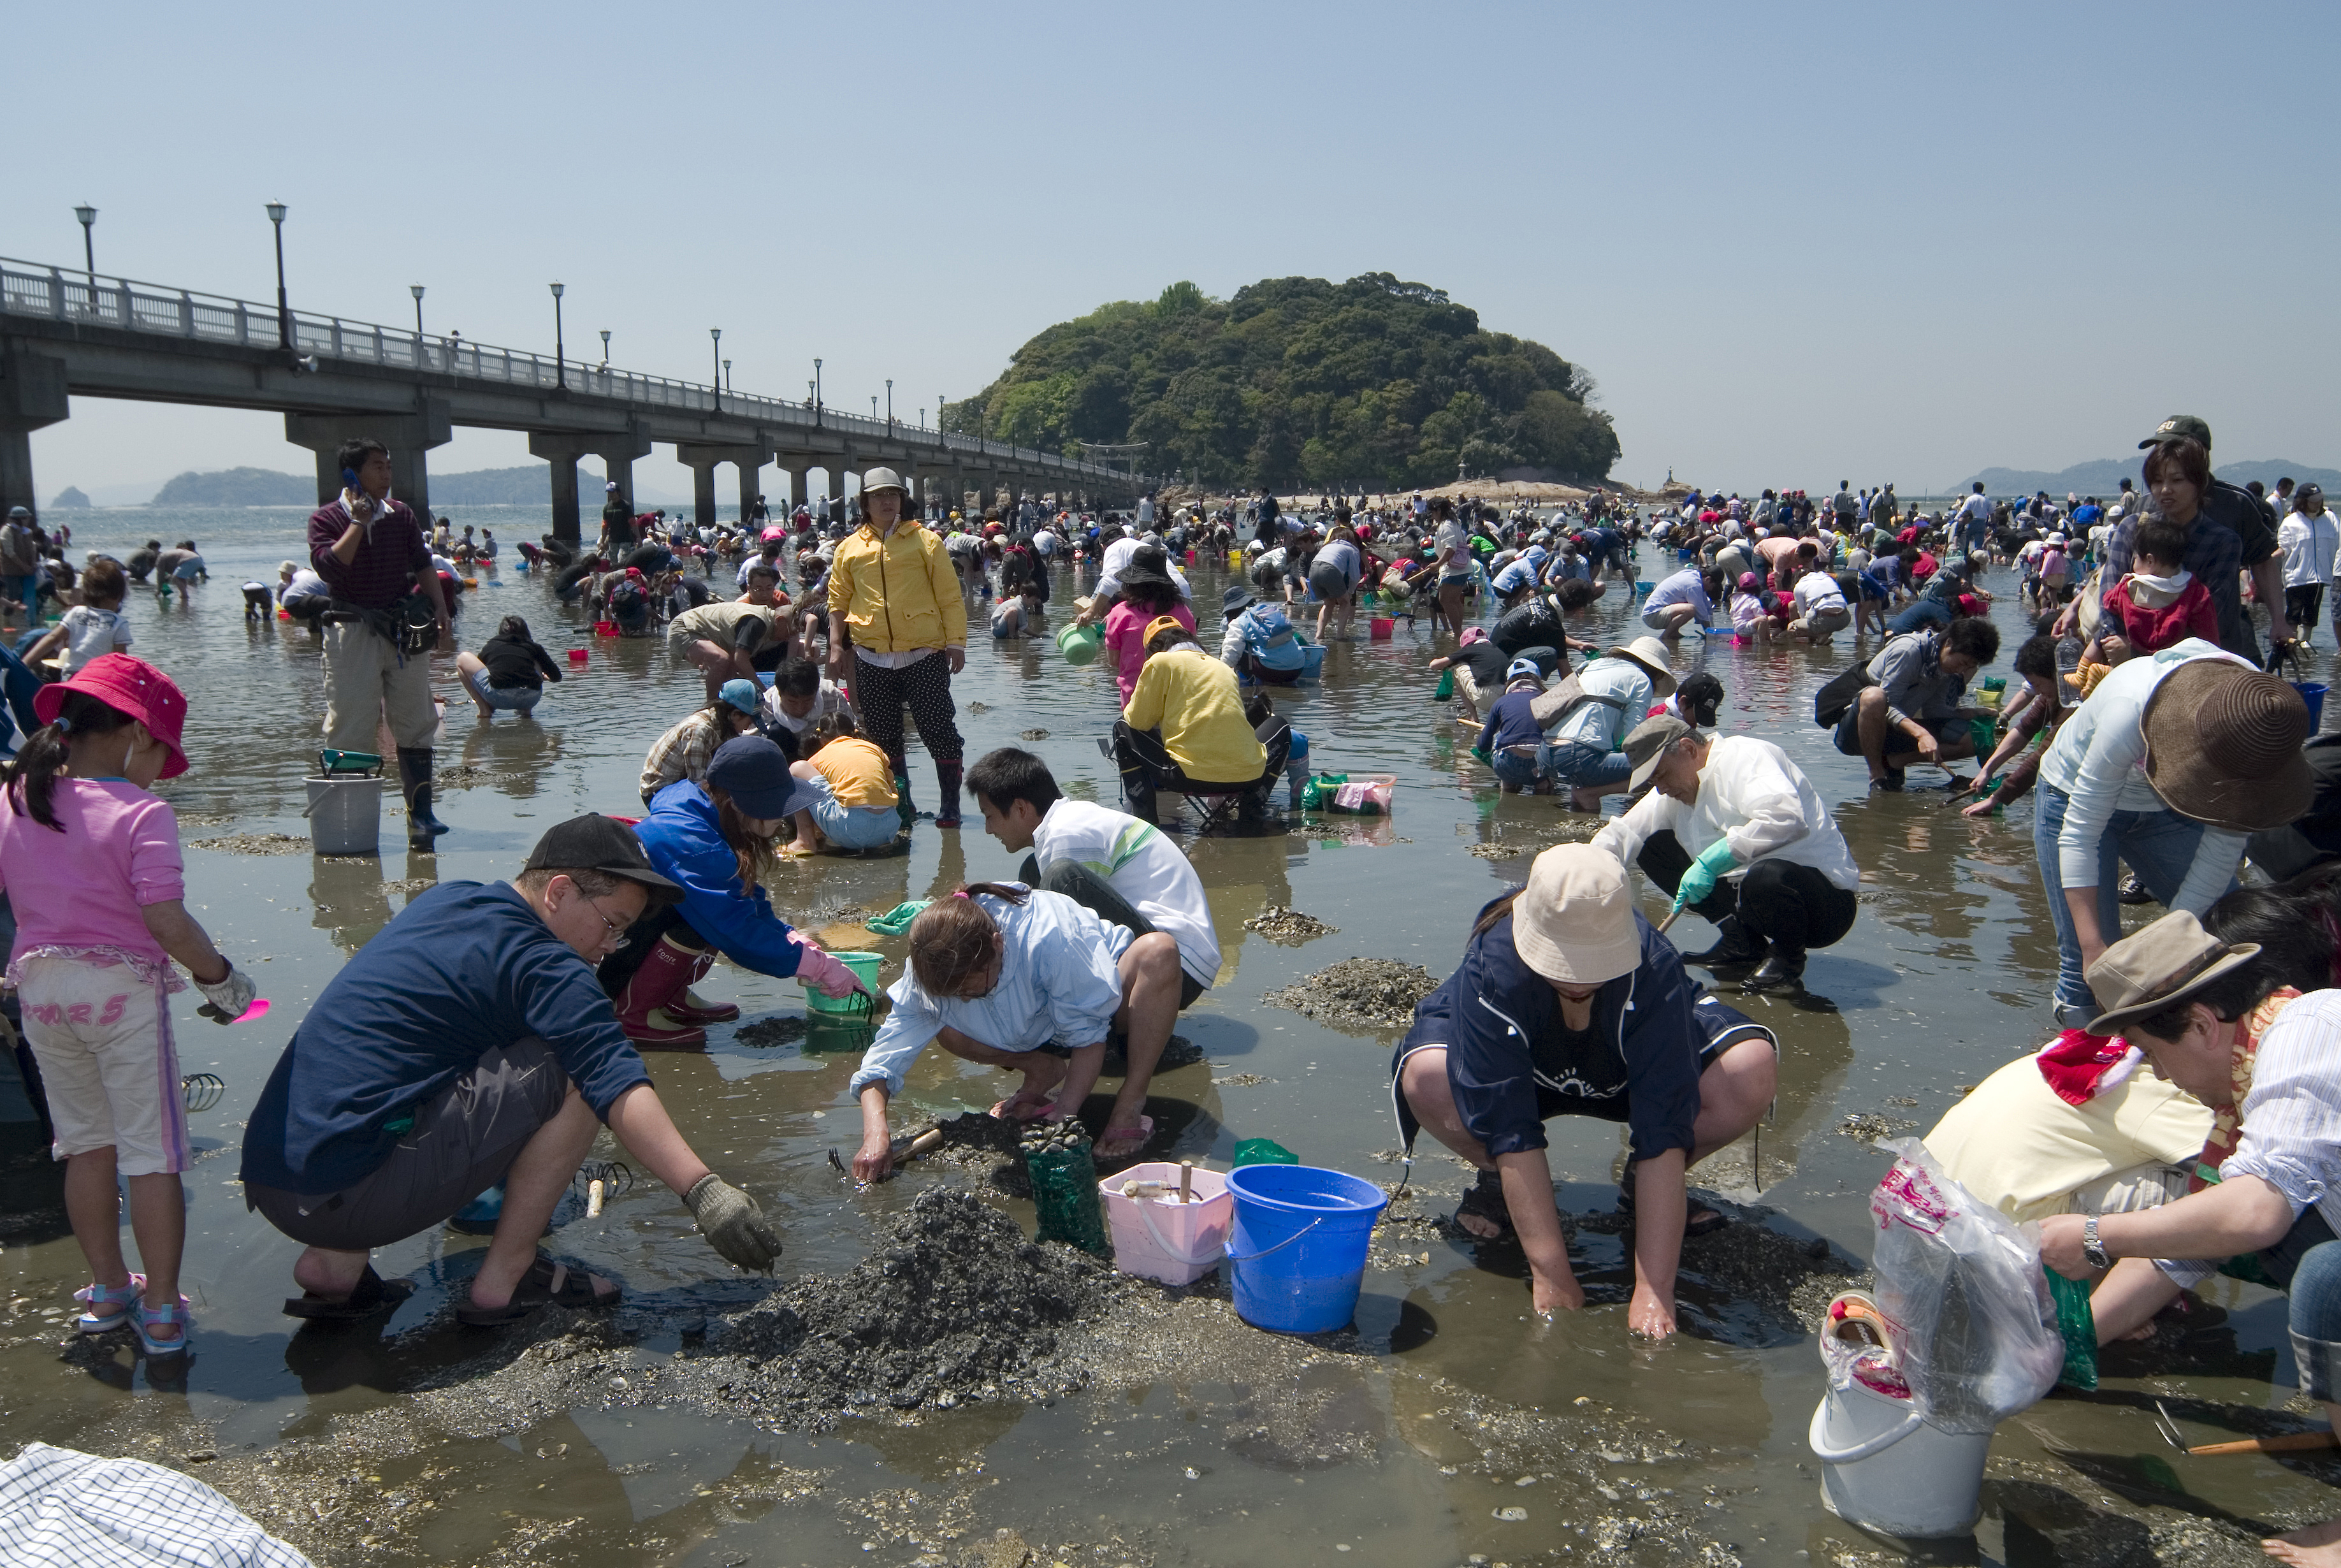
(483, 1037)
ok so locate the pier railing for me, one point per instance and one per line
(71, 295)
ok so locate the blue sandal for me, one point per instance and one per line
(162, 1316)
(98, 1295)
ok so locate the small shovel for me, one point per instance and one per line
(2285, 1443)
(910, 1146)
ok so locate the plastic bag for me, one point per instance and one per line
(1975, 1330)
(2078, 1327)
(1368, 796)
(1319, 792)
(1065, 1198)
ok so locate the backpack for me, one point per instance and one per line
(1564, 697)
(1268, 634)
(1830, 702)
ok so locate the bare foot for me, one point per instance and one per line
(2317, 1546)
(1479, 1225)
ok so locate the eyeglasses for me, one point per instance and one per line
(616, 929)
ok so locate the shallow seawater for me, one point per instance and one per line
(1943, 978)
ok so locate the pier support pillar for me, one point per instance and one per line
(702, 462)
(799, 493)
(408, 435)
(32, 395)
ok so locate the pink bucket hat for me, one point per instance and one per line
(132, 687)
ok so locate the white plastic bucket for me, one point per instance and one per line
(1162, 1238)
(344, 815)
(1884, 1469)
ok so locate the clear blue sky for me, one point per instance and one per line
(1793, 244)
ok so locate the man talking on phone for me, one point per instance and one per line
(385, 617)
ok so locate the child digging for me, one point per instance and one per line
(94, 627)
(854, 804)
(90, 864)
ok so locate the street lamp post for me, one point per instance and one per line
(873, 407)
(727, 375)
(715, 335)
(88, 215)
(816, 391)
(939, 414)
(890, 402)
(417, 290)
(284, 312)
(605, 348)
(560, 349)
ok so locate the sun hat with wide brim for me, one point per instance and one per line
(2160, 966)
(132, 687)
(2223, 746)
(1651, 654)
(1147, 567)
(883, 479)
(1574, 922)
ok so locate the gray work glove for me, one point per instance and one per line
(732, 1223)
(230, 995)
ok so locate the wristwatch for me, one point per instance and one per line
(2093, 1249)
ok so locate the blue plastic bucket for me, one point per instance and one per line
(1297, 1252)
(1312, 661)
(2313, 695)
(1686, 554)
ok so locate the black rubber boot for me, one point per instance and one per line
(422, 829)
(1783, 971)
(947, 776)
(1734, 943)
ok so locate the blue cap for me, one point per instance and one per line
(755, 774)
(1523, 668)
(740, 692)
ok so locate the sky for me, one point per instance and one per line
(1792, 245)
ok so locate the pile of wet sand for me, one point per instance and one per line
(1373, 993)
(1288, 928)
(253, 844)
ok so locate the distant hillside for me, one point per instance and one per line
(70, 496)
(238, 487)
(528, 486)
(2105, 476)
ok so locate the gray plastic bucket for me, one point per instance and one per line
(344, 815)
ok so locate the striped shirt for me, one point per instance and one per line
(63, 1509)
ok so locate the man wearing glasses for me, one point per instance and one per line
(471, 1043)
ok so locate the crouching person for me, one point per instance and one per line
(1184, 731)
(1568, 1003)
(1031, 983)
(468, 1044)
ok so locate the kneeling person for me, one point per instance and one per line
(469, 1044)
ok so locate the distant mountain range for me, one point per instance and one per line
(530, 485)
(2105, 476)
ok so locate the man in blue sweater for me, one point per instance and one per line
(471, 1043)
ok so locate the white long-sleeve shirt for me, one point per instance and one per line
(1147, 869)
(1059, 982)
(1751, 796)
(2308, 545)
(2098, 760)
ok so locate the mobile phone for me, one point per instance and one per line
(349, 478)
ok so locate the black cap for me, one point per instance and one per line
(596, 844)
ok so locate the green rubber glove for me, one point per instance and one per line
(1699, 882)
(1485, 760)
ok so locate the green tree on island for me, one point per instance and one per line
(1299, 382)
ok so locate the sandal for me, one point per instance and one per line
(1697, 1219)
(1485, 1201)
(1136, 1137)
(546, 1284)
(119, 1297)
(150, 1318)
(371, 1294)
(1031, 1111)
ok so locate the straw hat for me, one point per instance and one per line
(2223, 746)
(1651, 654)
(2158, 967)
(1574, 922)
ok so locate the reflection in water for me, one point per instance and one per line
(348, 899)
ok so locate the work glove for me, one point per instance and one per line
(1486, 760)
(230, 995)
(732, 1223)
(1698, 883)
(827, 976)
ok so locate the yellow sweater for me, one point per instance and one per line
(1193, 697)
(900, 593)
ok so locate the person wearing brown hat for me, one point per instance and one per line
(1621, 684)
(1731, 828)
(1568, 1003)
(2173, 760)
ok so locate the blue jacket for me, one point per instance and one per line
(464, 968)
(687, 845)
(1500, 1023)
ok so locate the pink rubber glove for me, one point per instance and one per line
(827, 976)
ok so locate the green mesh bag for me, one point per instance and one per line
(2078, 1327)
(1065, 1195)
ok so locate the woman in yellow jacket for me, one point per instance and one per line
(893, 586)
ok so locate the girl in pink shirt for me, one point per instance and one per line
(1148, 591)
(90, 862)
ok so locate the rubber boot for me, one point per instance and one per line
(947, 776)
(641, 1006)
(687, 1008)
(1734, 944)
(902, 806)
(1783, 971)
(415, 783)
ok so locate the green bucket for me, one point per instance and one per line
(1264, 1151)
(1078, 644)
(853, 1004)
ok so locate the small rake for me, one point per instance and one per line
(202, 1091)
(2284, 1443)
(600, 1180)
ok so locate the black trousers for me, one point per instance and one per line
(2303, 604)
(1793, 905)
(1147, 768)
(925, 688)
(1096, 894)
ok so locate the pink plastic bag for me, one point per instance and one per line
(1366, 796)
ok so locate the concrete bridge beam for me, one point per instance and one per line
(702, 462)
(32, 395)
(408, 436)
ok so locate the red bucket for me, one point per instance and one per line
(576, 656)
(605, 628)
(1379, 630)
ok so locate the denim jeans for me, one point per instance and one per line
(1521, 770)
(2159, 845)
(2314, 1293)
(1582, 766)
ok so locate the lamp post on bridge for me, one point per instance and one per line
(727, 375)
(816, 392)
(88, 216)
(284, 312)
(874, 408)
(890, 405)
(417, 290)
(560, 349)
(715, 335)
(605, 348)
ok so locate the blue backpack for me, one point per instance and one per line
(1269, 634)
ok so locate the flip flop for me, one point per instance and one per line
(1145, 1132)
(535, 1292)
(372, 1295)
(1048, 1112)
